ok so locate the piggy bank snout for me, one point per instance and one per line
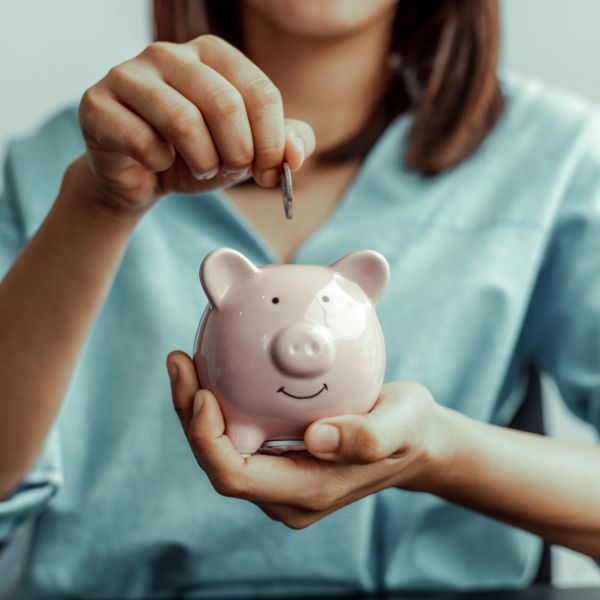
(303, 350)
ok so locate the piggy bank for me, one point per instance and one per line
(283, 345)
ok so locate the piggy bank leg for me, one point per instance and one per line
(246, 439)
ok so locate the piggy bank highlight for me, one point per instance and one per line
(283, 345)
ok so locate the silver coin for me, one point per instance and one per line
(277, 447)
(280, 443)
(286, 188)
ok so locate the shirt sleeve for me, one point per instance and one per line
(45, 478)
(565, 309)
(12, 236)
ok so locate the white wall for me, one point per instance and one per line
(50, 52)
(557, 40)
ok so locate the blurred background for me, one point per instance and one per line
(52, 51)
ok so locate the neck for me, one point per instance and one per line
(332, 84)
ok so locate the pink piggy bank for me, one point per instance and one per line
(283, 345)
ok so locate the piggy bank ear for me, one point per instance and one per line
(367, 268)
(220, 270)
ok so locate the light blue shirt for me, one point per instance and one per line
(494, 265)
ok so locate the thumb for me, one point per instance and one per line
(299, 142)
(351, 439)
(381, 433)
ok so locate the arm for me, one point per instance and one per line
(549, 487)
(543, 485)
(163, 121)
(61, 278)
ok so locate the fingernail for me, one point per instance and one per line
(299, 145)
(325, 438)
(236, 173)
(269, 177)
(204, 175)
(172, 370)
(198, 402)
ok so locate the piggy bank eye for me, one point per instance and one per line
(275, 300)
(325, 298)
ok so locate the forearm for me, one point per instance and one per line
(48, 302)
(543, 485)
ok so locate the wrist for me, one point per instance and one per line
(441, 452)
(79, 194)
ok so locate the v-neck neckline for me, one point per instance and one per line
(345, 202)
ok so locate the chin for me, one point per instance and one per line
(321, 18)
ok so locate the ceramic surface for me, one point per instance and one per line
(283, 345)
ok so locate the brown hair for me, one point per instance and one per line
(446, 53)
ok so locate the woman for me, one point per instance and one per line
(484, 197)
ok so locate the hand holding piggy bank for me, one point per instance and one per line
(281, 346)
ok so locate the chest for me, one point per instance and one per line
(316, 194)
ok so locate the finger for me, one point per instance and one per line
(217, 99)
(258, 478)
(362, 485)
(184, 385)
(302, 482)
(294, 517)
(177, 119)
(361, 438)
(300, 142)
(108, 125)
(262, 101)
(291, 516)
(272, 514)
(213, 449)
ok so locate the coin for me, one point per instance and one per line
(286, 188)
(276, 447)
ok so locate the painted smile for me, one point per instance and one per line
(282, 390)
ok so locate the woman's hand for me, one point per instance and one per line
(545, 486)
(187, 118)
(396, 444)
